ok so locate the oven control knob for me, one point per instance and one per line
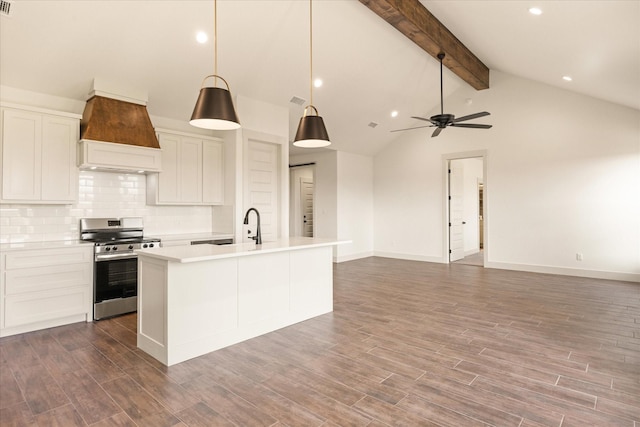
(115, 248)
(130, 246)
(107, 249)
(144, 245)
(150, 245)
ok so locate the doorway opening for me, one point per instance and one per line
(465, 208)
(302, 198)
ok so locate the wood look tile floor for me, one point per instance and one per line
(409, 344)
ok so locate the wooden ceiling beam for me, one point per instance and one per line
(413, 20)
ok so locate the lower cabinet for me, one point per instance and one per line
(44, 288)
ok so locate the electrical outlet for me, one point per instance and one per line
(579, 256)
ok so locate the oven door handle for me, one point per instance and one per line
(109, 257)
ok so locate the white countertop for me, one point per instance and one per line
(54, 244)
(191, 236)
(196, 253)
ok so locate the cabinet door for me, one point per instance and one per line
(59, 170)
(48, 305)
(45, 285)
(21, 155)
(168, 179)
(212, 173)
(192, 171)
(190, 166)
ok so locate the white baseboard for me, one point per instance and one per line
(471, 252)
(563, 271)
(410, 257)
(566, 271)
(351, 257)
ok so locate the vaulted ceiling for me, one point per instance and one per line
(368, 67)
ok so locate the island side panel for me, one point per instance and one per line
(152, 308)
(263, 292)
(311, 275)
(202, 308)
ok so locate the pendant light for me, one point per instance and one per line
(311, 131)
(214, 107)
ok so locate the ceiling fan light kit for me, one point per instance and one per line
(214, 108)
(442, 120)
(311, 132)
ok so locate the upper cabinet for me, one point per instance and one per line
(39, 156)
(192, 171)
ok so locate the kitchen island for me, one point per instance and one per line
(196, 299)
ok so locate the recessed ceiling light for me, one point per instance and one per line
(394, 113)
(317, 82)
(567, 78)
(535, 11)
(202, 37)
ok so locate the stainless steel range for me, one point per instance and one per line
(115, 273)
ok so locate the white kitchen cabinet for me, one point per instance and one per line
(192, 171)
(43, 288)
(39, 157)
(212, 172)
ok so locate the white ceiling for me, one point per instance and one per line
(368, 67)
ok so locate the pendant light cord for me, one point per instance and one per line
(215, 41)
(311, 52)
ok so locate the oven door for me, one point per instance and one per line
(115, 276)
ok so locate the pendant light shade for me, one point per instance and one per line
(214, 108)
(311, 131)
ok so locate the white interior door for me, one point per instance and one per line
(262, 169)
(306, 202)
(456, 211)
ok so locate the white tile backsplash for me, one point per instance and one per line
(101, 194)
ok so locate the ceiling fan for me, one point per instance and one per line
(441, 121)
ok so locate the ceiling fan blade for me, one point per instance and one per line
(418, 127)
(471, 116)
(436, 132)
(425, 119)
(471, 125)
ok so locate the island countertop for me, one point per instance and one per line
(198, 253)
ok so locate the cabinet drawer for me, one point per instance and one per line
(48, 257)
(47, 278)
(41, 306)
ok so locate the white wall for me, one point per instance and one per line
(355, 206)
(343, 200)
(563, 176)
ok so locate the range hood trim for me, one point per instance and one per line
(110, 157)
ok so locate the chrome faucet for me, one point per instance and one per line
(258, 236)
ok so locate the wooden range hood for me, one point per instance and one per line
(116, 121)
